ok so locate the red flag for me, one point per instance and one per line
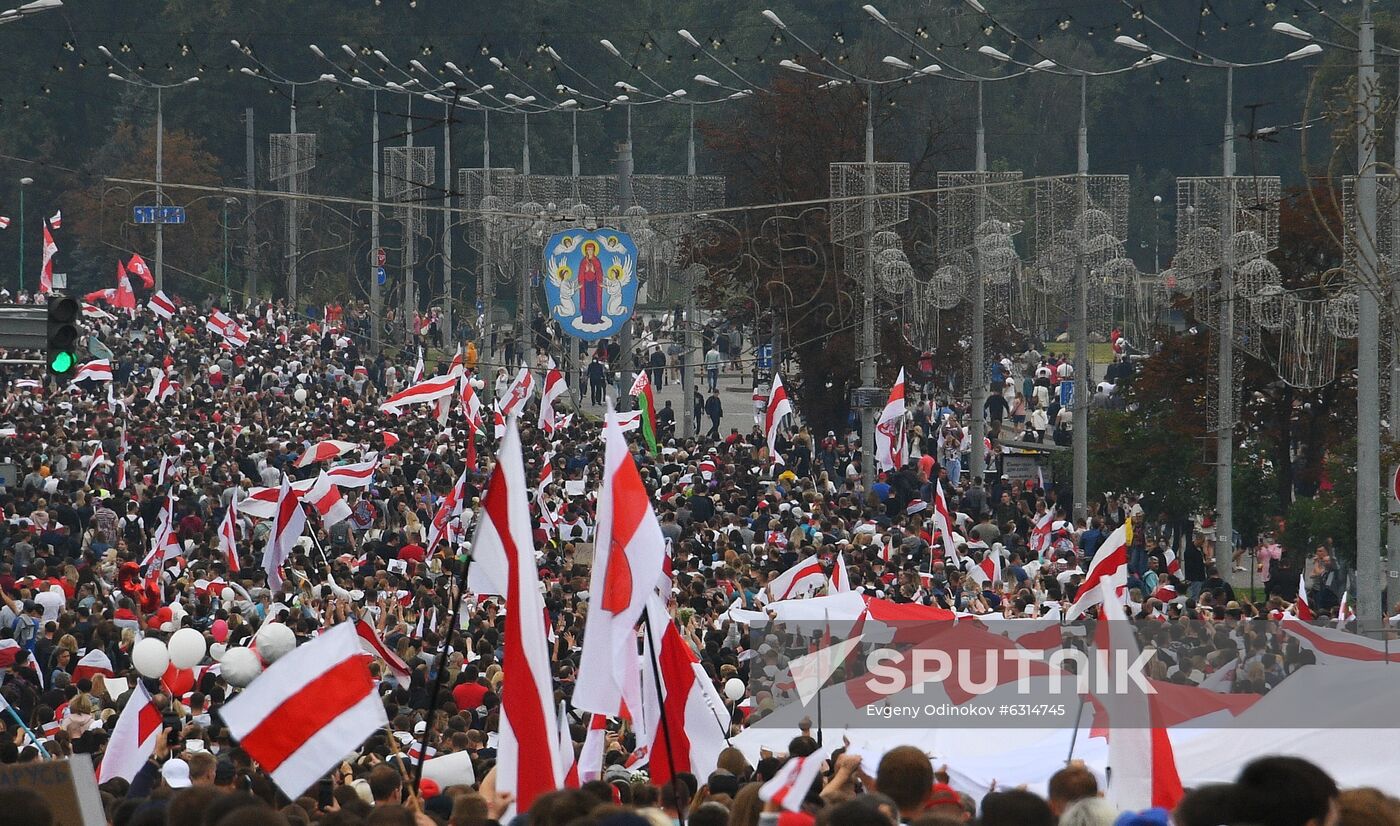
(137, 265)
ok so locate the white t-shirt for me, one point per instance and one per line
(1066, 370)
(52, 601)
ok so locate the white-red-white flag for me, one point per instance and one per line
(134, 738)
(228, 535)
(790, 785)
(325, 451)
(1301, 609)
(4, 222)
(419, 393)
(418, 368)
(554, 388)
(369, 638)
(325, 497)
(1108, 573)
(56, 220)
(626, 568)
(93, 662)
(160, 304)
(163, 385)
(450, 508)
(504, 563)
(46, 273)
(891, 448)
(519, 393)
(694, 712)
(95, 370)
(798, 581)
(1041, 532)
(840, 581)
(289, 521)
(98, 458)
(778, 406)
(355, 474)
(589, 765)
(309, 709)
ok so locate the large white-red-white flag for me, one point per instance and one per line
(95, 370)
(695, 714)
(527, 764)
(420, 393)
(160, 304)
(46, 273)
(778, 407)
(289, 520)
(309, 709)
(627, 566)
(325, 497)
(891, 449)
(134, 738)
(798, 581)
(325, 451)
(228, 534)
(354, 474)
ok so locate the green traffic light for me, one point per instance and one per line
(61, 363)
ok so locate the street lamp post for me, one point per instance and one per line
(23, 182)
(227, 295)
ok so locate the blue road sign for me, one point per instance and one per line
(158, 215)
(765, 356)
(380, 276)
(1066, 392)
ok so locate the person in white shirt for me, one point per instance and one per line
(1066, 370)
(52, 601)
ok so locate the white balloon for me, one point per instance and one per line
(227, 595)
(734, 688)
(300, 395)
(150, 657)
(187, 648)
(239, 666)
(216, 651)
(273, 640)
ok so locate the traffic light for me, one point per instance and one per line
(62, 345)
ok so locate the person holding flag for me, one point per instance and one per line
(646, 403)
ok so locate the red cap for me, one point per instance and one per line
(944, 795)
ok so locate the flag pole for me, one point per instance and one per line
(1078, 714)
(661, 703)
(440, 663)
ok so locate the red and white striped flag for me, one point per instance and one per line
(288, 523)
(1301, 609)
(4, 222)
(46, 274)
(309, 709)
(589, 765)
(891, 449)
(92, 311)
(778, 407)
(95, 370)
(221, 324)
(1173, 564)
(134, 738)
(798, 581)
(790, 785)
(325, 451)
(369, 638)
(356, 475)
(625, 572)
(98, 458)
(228, 534)
(1040, 533)
(1108, 573)
(840, 578)
(449, 509)
(420, 393)
(554, 387)
(137, 266)
(56, 220)
(504, 564)
(689, 701)
(166, 544)
(93, 662)
(163, 385)
(519, 393)
(161, 305)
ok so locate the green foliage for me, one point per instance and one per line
(1143, 451)
(1329, 515)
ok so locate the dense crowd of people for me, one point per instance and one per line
(201, 422)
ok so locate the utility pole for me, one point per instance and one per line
(293, 205)
(867, 325)
(978, 375)
(160, 178)
(687, 324)
(1079, 440)
(1368, 431)
(488, 278)
(376, 308)
(1393, 285)
(525, 339)
(624, 200)
(250, 236)
(410, 247)
(1225, 345)
(448, 333)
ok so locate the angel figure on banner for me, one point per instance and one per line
(591, 281)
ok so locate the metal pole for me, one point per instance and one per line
(525, 147)
(978, 374)
(226, 295)
(690, 145)
(376, 309)
(160, 178)
(1368, 464)
(573, 149)
(292, 205)
(409, 247)
(624, 200)
(21, 237)
(488, 278)
(525, 339)
(448, 333)
(1392, 528)
(687, 366)
(1079, 441)
(867, 325)
(250, 264)
(1225, 349)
